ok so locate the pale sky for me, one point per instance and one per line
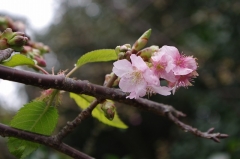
(39, 14)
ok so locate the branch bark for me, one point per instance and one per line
(100, 92)
(5, 54)
(7, 131)
(82, 87)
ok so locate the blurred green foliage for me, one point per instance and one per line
(208, 30)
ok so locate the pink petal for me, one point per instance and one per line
(181, 71)
(162, 90)
(150, 77)
(129, 85)
(168, 76)
(170, 50)
(139, 92)
(190, 62)
(122, 67)
(138, 62)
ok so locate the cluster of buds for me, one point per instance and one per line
(14, 40)
(123, 51)
(6, 22)
(36, 51)
(12, 36)
(141, 70)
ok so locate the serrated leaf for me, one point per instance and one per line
(17, 60)
(102, 55)
(35, 117)
(83, 102)
(21, 148)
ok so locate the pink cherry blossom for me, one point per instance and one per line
(183, 81)
(177, 69)
(137, 78)
(163, 64)
(183, 64)
(163, 90)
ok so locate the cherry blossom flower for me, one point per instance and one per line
(183, 64)
(163, 64)
(137, 78)
(177, 69)
(183, 81)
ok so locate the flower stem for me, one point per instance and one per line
(41, 69)
(72, 71)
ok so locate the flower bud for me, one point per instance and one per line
(117, 50)
(3, 23)
(26, 49)
(147, 53)
(18, 40)
(40, 60)
(109, 109)
(121, 55)
(20, 26)
(108, 77)
(3, 44)
(125, 47)
(40, 46)
(141, 42)
(128, 46)
(15, 40)
(8, 34)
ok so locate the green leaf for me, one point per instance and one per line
(35, 117)
(17, 60)
(21, 148)
(97, 56)
(83, 101)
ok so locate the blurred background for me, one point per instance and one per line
(208, 30)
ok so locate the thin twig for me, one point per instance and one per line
(187, 128)
(70, 126)
(41, 69)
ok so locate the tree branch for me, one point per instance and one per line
(73, 124)
(5, 54)
(7, 131)
(209, 134)
(70, 126)
(100, 92)
(82, 87)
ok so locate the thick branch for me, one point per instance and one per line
(100, 92)
(7, 131)
(81, 87)
(5, 54)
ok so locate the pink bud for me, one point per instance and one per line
(40, 61)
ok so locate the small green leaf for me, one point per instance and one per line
(83, 102)
(35, 117)
(17, 60)
(21, 148)
(97, 56)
